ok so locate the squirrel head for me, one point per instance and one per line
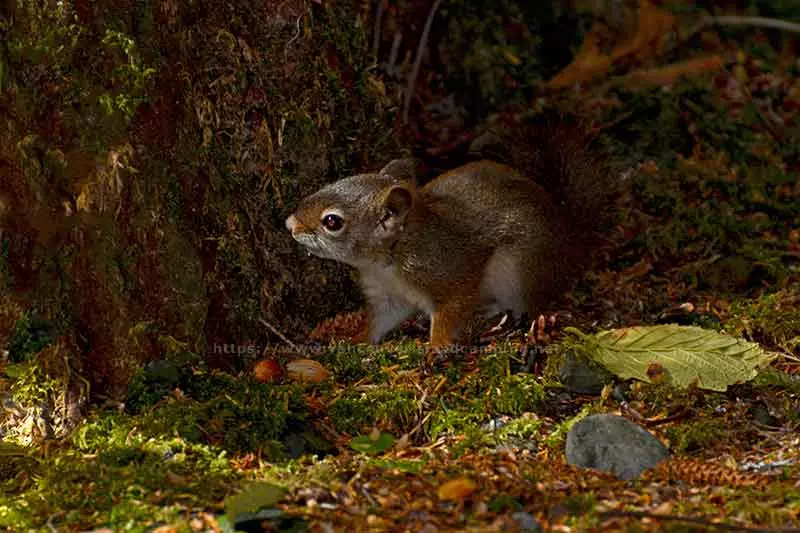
(356, 220)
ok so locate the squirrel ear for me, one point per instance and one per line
(397, 202)
(400, 170)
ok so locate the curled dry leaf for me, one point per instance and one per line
(307, 370)
(457, 489)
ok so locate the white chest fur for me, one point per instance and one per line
(383, 282)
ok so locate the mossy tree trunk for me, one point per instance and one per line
(150, 151)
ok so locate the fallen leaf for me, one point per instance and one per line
(688, 354)
(457, 489)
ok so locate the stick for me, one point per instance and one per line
(274, 330)
(423, 41)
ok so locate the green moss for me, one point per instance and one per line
(32, 386)
(126, 480)
(558, 436)
(482, 396)
(354, 362)
(771, 378)
(504, 502)
(772, 319)
(250, 417)
(177, 396)
(525, 427)
(518, 394)
(31, 334)
(455, 421)
(686, 438)
(355, 412)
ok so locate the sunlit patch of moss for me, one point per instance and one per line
(32, 386)
(411, 466)
(115, 476)
(693, 436)
(524, 427)
(495, 390)
(491, 392)
(518, 394)
(354, 362)
(455, 421)
(355, 412)
(558, 436)
(250, 417)
(176, 396)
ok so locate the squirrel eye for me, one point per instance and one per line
(332, 222)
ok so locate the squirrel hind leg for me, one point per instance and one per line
(504, 287)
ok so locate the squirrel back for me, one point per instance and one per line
(556, 151)
(485, 237)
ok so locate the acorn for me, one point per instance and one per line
(268, 371)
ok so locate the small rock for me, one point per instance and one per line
(581, 377)
(526, 522)
(613, 444)
(496, 423)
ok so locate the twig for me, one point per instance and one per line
(274, 330)
(758, 22)
(293, 39)
(608, 125)
(423, 41)
(50, 525)
(652, 422)
(376, 38)
(695, 520)
(733, 20)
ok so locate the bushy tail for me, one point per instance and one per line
(557, 152)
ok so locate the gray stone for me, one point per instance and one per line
(613, 444)
(526, 522)
(582, 377)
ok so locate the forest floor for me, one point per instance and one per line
(354, 438)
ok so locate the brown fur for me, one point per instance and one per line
(481, 236)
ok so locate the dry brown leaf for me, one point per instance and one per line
(588, 63)
(457, 489)
(672, 73)
(647, 41)
(652, 24)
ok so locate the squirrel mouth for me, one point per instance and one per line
(311, 244)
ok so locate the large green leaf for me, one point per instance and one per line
(687, 354)
(374, 443)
